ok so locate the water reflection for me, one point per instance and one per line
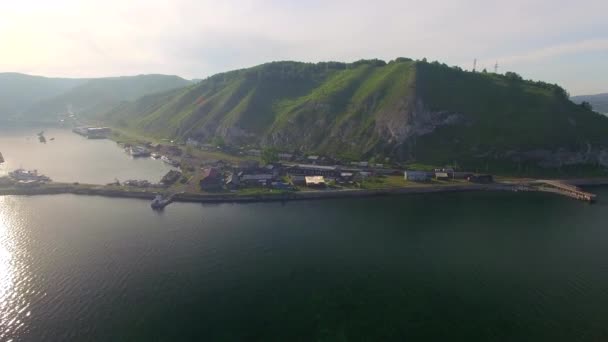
(13, 276)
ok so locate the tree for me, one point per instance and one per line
(586, 105)
(270, 155)
(218, 141)
(513, 76)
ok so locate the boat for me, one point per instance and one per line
(24, 175)
(138, 151)
(159, 202)
(170, 161)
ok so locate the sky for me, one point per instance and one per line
(564, 42)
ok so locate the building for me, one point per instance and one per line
(315, 181)
(248, 165)
(255, 153)
(312, 159)
(314, 170)
(93, 132)
(347, 176)
(193, 142)
(442, 176)
(263, 179)
(298, 180)
(285, 156)
(484, 179)
(232, 181)
(416, 176)
(211, 180)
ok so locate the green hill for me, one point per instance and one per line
(406, 110)
(18, 92)
(598, 101)
(97, 96)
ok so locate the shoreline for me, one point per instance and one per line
(149, 194)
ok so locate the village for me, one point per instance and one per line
(209, 172)
(256, 170)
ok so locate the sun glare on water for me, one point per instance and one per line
(13, 304)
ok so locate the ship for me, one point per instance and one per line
(138, 151)
(25, 175)
(159, 202)
(170, 161)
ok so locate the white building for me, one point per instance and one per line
(416, 176)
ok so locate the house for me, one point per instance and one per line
(298, 180)
(416, 176)
(248, 165)
(315, 181)
(484, 179)
(255, 153)
(232, 181)
(360, 164)
(257, 180)
(192, 142)
(442, 176)
(347, 176)
(285, 156)
(314, 170)
(211, 180)
(313, 159)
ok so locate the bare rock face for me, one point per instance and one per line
(413, 119)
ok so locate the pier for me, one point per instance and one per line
(565, 189)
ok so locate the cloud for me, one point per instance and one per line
(197, 38)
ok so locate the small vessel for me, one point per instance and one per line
(170, 161)
(138, 151)
(159, 202)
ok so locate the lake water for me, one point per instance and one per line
(73, 158)
(445, 267)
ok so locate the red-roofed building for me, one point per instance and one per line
(211, 180)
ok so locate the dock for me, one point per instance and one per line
(565, 189)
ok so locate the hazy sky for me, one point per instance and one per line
(563, 42)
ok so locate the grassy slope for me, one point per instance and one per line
(336, 108)
(507, 114)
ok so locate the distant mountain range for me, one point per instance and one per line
(598, 101)
(39, 98)
(405, 110)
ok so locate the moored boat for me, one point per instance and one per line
(170, 161)
(138, 151)
(159, 202)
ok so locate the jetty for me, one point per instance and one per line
(565, 189)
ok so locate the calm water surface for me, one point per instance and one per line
(73, 158)
(449, 267)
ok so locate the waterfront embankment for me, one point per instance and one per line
(149, 194)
